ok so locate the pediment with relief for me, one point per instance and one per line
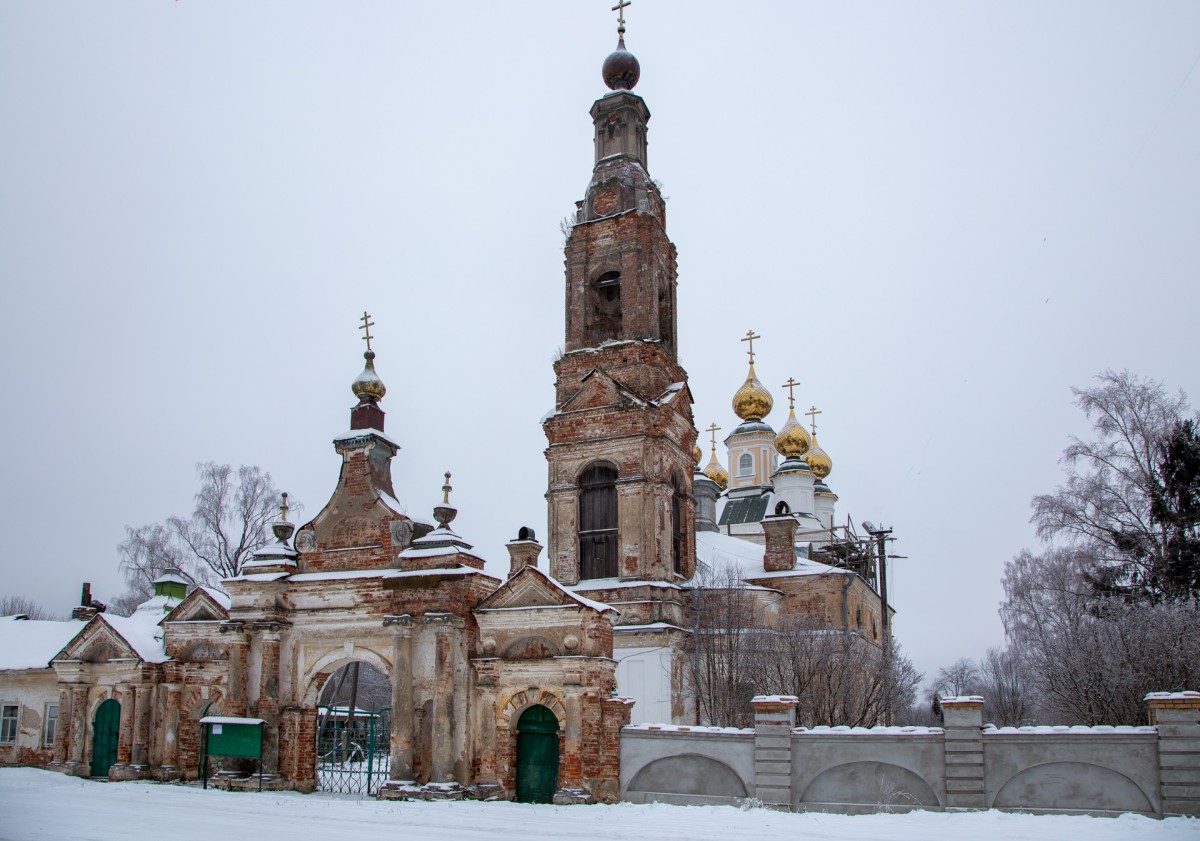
(199, 606)
(97, 643)
(600, 390)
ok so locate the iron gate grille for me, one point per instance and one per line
(353, 750)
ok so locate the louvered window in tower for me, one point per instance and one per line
(677, 523)
(598, 522)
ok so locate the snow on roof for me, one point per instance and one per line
(142, 630)
(599, 607)
(1172, 696)
(359, 433)
(1073, 729)
(224, 719)
(687, 728)
(652, 626)
(881, 730)
(775, 699)
(962, 699)
(671, 391)
(218, 596)
(716, 551)
(31, 643)
(616, 584)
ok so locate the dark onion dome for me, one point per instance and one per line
(621, 70)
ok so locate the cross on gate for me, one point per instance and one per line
(812, 413)
(750, 337)
(366, 328)
(789, 385)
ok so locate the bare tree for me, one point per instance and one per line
(960, 678)
(228, 525)
(18, 605)
(1009, 699)
(1105, 504)
(738, 651)
(1092, 658)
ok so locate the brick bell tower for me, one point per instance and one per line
(621, 436)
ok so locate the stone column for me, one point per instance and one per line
(140, 756)
(79, 695)
(62, 738)
(235, 698)
(120, 769)
(963, 720)
(402, 698)
(445, 654)
(268, 698)
(170, 760)
(774, 718)
(1177, 717)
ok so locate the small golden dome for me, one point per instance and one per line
(716, 472)
(818, 460)
(367, 385)
(697, 454)
(793, 440)
(752, 401)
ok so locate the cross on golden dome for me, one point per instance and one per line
(812, 413)
(790, 385)
(713, 430)
(620, 10)
(367, 324)
(750, 337)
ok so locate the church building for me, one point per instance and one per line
(513, 688)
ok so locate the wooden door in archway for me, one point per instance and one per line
(106, 729)
(537, 755)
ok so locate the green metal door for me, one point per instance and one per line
(537, 755)
(105, 730)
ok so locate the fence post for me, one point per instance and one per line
(1177, 717)
(963, 719)
(774, 718)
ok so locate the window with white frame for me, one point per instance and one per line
(8, 723)
(746, 465)
(51, 724)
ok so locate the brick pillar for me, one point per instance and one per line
(79, 696)
(1177, 717)
(963, 720)
(235, 699)
(445, 655)
(522, 552)
(774, 718)
(62, 738)
(119, 770)
(140, 756)
(402, 698)
(615, 713)
(268, 699)
(780, 533)
(170, 761)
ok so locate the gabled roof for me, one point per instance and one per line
(200, 605)
(600, 389)
(531, 588)
(718, 551)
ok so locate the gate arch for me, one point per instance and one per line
(106, 729)
(537, 755)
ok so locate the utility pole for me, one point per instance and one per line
(881, 539)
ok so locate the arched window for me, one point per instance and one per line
(746, 465)
(598, 522)
(677, 523)
(604, 307)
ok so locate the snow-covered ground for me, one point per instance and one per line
(37, 805)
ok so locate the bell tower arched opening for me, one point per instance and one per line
(603, 308)
(598, 521)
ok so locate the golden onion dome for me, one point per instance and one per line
(716, 472)
(752, 401)
(697, 454)
(793, 440)
(818, 460)
(367, 385)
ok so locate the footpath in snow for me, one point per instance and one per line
(44, 806)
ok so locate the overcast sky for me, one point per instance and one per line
(939, 217)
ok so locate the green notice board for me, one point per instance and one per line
(237, 738)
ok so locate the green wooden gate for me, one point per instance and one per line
(353, 749)
(537, 755)
(106, 728)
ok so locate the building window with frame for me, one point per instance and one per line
(745, 465)
(598, 522)
(8, 723)
(51, 725)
